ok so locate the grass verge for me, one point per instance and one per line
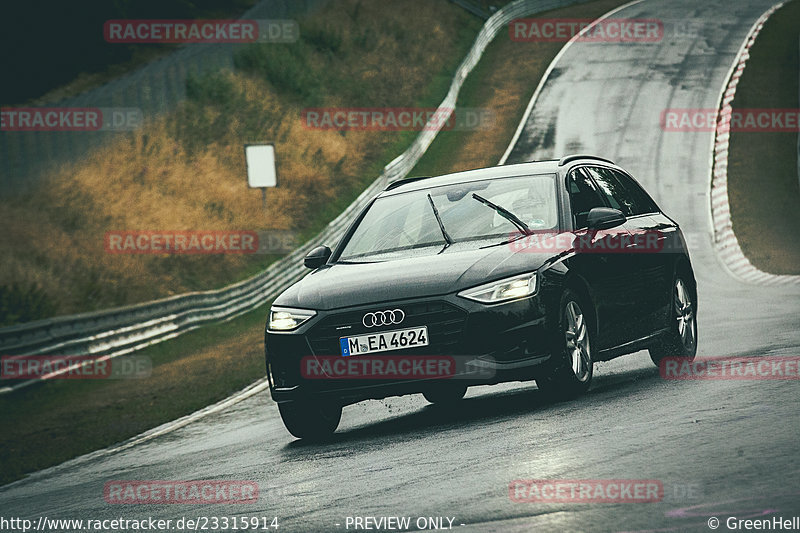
(763, 188)
(50, 423)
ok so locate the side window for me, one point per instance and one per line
(641, 200)
(583, 196)
(621, 192)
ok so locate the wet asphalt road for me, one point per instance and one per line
(720, 448)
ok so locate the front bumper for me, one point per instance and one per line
(491, 343)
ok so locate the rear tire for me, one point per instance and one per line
(572, 352)
(681, 339)
(445, 394)
(310, 421)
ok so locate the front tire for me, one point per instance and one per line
(572, 353)
(681, 339)
(310, 421)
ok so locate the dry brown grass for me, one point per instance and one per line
(56, 421)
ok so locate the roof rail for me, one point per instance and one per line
(404, 181)
(570, 158)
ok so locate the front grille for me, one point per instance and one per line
(445, 326)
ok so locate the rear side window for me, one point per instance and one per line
(583, 196)
(622, 192)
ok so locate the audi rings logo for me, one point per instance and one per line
(383, 318)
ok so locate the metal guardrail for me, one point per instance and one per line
(123, 330)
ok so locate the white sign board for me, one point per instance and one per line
(260, 165)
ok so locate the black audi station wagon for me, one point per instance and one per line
(531, 271)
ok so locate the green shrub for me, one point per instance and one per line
(218, 111)
(324, 38)
(285, 66)
(20, 303)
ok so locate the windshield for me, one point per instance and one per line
(406, 224)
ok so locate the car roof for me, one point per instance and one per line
(551, 166)
(502, 171)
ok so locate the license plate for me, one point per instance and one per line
(384, 341)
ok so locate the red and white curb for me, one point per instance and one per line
(725, 243)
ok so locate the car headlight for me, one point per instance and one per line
(502, 290)
(286, 318)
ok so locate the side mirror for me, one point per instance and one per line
(317, 257)
(604, 218)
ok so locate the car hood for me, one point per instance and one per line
(351, 284)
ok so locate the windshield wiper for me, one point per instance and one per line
(447, 238)
(505, 213)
